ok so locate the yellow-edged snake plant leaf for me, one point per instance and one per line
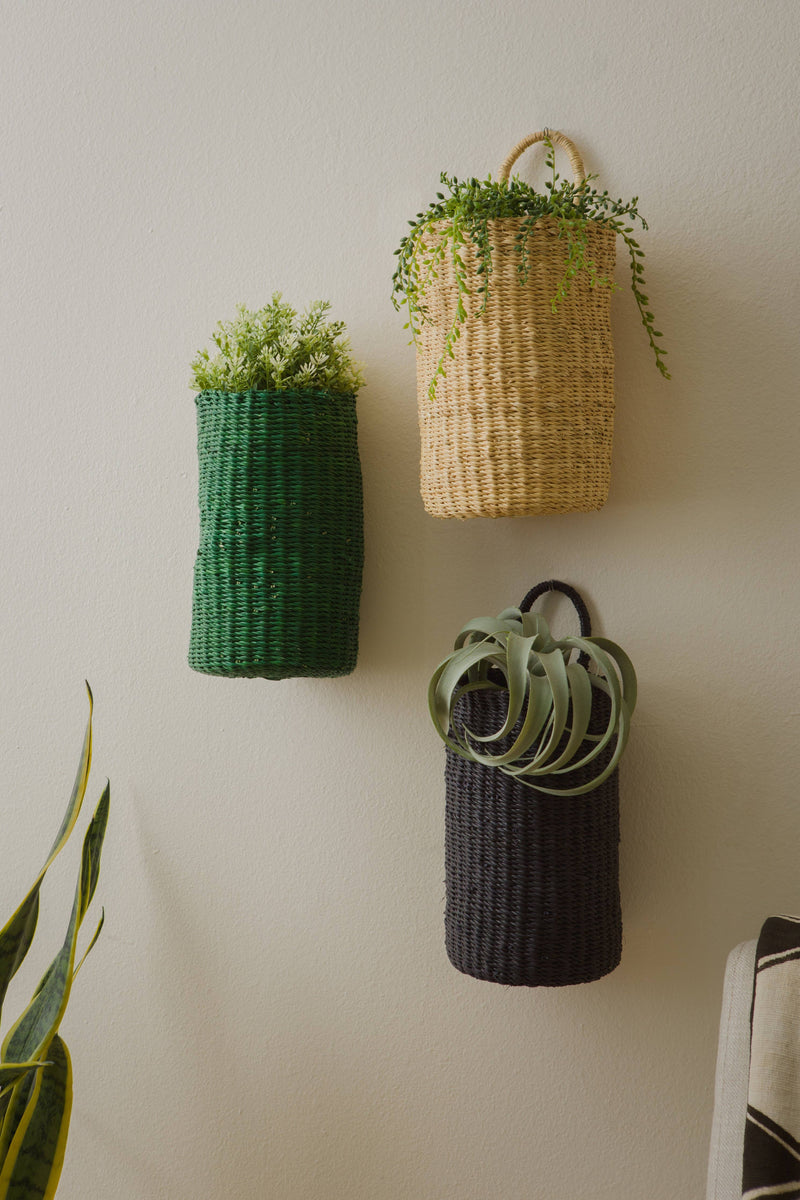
(32, 1037)
(549, 696)
(11, 1072)
(32, 1166)
(37, 1025)
(17, 935)
(89, 948)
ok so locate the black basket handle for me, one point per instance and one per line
(555, 585)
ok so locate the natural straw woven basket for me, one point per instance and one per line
(532, 879)
(523, 421)
(277, 578)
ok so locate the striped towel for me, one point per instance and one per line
(733, 1070)
(771, 1165)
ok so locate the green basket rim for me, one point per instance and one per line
(287, 394)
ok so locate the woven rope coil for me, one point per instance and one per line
(277, 578)
(532, 881)
(522, 423)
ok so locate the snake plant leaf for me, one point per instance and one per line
(12, 1072)
(15, 1103)
(17, 934)
(78, 790)
(92, 847)
(16, 938)
(91, 945)
(32, 1166)
(35, 1030)
(38, 1024)
(84, 956)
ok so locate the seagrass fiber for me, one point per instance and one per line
(522, 422)
(532, 880)
(277, 577)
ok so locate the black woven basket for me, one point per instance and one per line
(532, 879)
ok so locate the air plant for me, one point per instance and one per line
(35, 1067)
(551, 724)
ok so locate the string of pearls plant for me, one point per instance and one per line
(463, 217)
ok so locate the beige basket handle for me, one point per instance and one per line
(558, 139)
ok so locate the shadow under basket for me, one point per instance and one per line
(277, 579)
(532, 879)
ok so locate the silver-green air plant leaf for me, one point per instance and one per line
(550, 699)
(35, 1069)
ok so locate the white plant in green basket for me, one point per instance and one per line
(276, 350)
(550, 698)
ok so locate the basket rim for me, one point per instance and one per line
(546, 219)
(286, 394)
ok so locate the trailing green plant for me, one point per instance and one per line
(276, 350)
(462, 218)
(550, 696)
(35, 1067)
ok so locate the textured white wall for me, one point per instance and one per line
(270, 1011)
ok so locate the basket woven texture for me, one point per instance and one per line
(277, 578)
(532, 880)
(522, 423)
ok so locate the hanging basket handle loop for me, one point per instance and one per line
(555, 585)
(558, 139)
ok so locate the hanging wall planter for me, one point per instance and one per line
(534, 729)
(277, 576)
(508, 294)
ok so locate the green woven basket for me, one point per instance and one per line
(277, 579)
